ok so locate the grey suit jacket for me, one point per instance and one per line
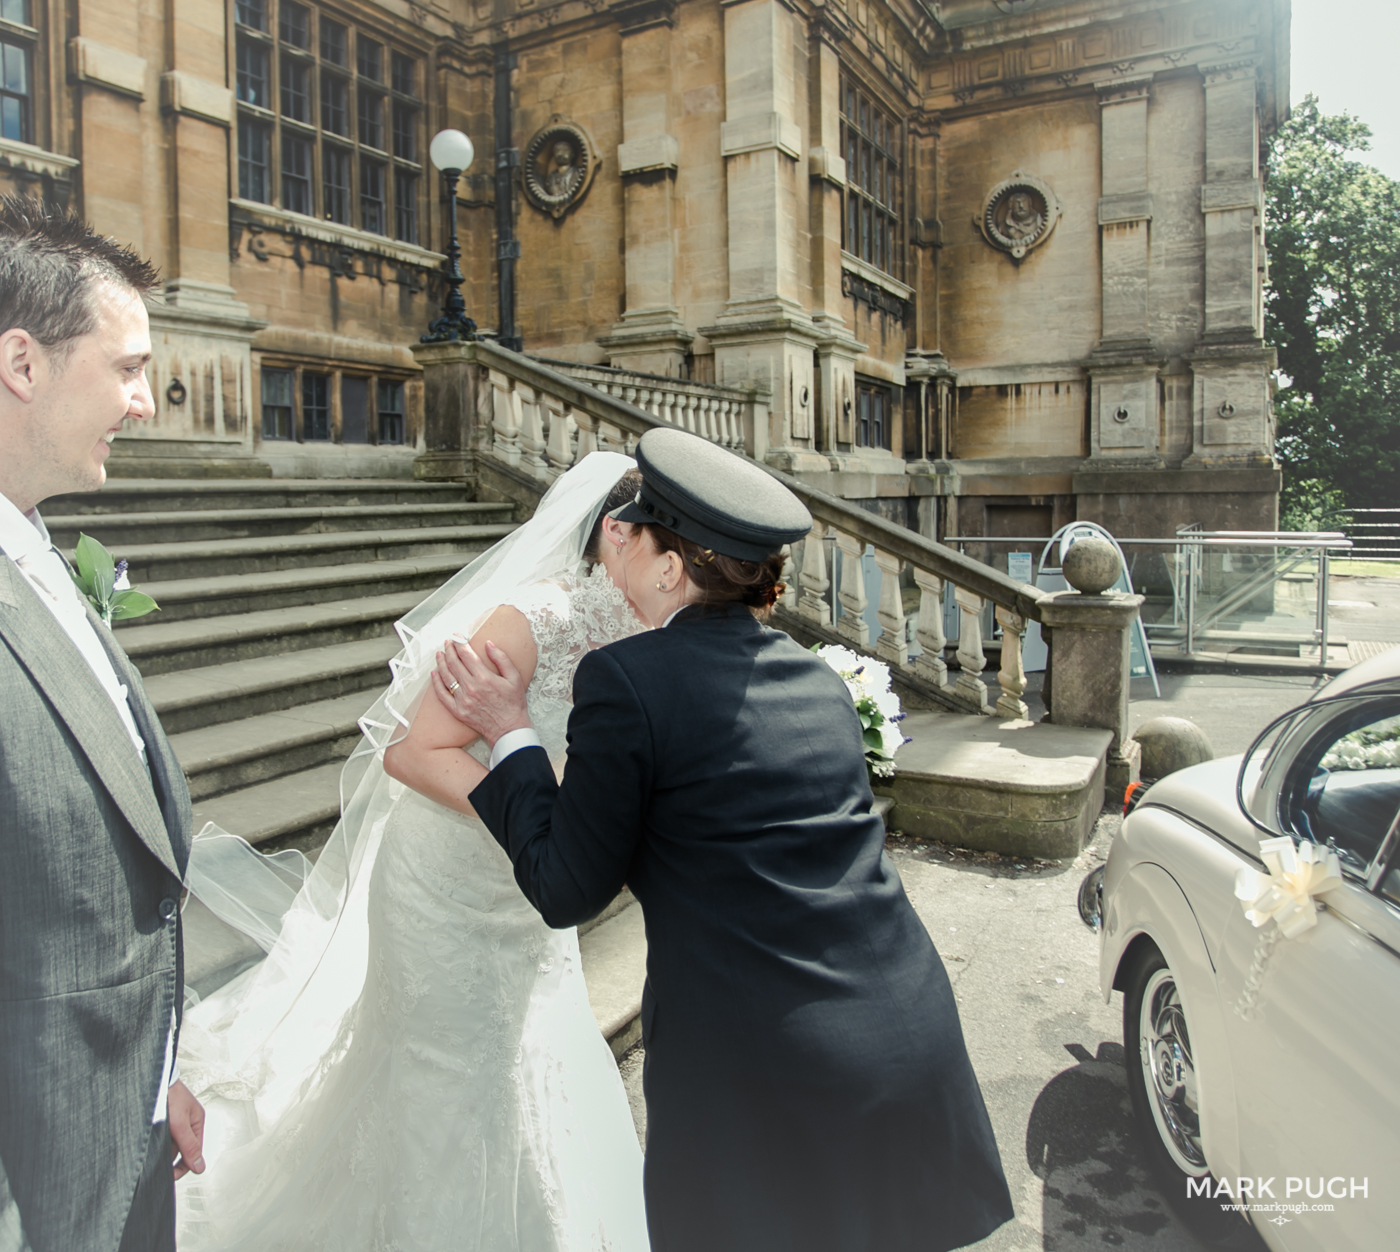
(92, 852)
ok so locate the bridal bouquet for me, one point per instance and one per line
(868, 681)
(104, 582)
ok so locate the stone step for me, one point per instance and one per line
(231, 755)
(193, 698)
(614, 955)
(144, 495)
(185, 525)
(1019, 788)
(211, 558)
(181, 599)
(167, 646)
(296, 810)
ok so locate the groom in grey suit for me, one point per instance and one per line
(94, 812)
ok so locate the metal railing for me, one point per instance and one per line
(1222, 588)
(1374, 533)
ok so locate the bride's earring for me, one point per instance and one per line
(662, 587)
(619, 549)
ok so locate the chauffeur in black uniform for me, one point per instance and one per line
(807, 1084)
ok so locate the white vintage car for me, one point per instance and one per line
(1264, 1069)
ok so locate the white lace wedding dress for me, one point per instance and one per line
(467, 1099)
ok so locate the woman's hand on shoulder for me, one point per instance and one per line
(482, 684)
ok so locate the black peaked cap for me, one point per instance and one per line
(712, 497)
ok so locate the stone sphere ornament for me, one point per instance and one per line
(1169, 744)
(1091, 566)
(1018, 214)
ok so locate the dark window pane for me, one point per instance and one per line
(335, 189)
(15, 11)
(354, 410)
(252, 61)
(296, 173)
(405, 131)
(371, 118)
(405, 206)
(277, 404)
(316, 406)
(405, 74)
(369, 58)
(296, 86)
(334, 42)
(390, 412)
(15, 87)
(294, 23)
(333, 97)
(16, 58)
(372, 197)
(251, 13)
(254, 144)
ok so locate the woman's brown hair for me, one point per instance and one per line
(723, 580)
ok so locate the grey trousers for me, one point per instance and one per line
(150, 1225)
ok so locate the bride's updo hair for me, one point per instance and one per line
(624, 490)
(723, 580)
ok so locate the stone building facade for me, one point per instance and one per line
(993, 264)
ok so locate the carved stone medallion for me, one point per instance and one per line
(559, 165)
(1018, 215)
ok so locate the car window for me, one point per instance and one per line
(1344, 790)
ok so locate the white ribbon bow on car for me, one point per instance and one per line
(1296, 875)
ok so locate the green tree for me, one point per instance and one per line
(1333, 313)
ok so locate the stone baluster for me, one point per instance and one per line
(789, 580)
(691, 404)
(930, 663)
(629, 394)
(561, 453)
(726, 422)
(893, 643)
(852, 591)
(813, 605)
(668, 407)
(970, 655)
(505, 419)
(712, 420)
(646, 400)
(532, 442)
(1012, 675)
(587, 433)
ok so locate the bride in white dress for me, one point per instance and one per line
(414, 1066)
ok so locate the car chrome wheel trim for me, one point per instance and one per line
(1164, 1047)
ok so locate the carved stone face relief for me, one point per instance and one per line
(559, 165)
(1018, 215)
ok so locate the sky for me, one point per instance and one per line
(1344, 53)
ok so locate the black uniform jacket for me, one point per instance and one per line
(806, 1079)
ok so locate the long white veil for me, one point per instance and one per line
(259, 1040)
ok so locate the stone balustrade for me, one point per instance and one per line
(514, 424)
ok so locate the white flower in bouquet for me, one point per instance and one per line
(868, 681)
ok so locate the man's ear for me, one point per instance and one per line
(20, 363)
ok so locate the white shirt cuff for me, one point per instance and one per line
(513, 741)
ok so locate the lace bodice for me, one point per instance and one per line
(568, 619)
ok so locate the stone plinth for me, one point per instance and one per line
(1089, 670)
(1010, 787)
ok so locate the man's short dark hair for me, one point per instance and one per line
(50, 263)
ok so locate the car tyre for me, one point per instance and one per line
(1162, 1087)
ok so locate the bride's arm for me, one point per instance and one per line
(429, 758)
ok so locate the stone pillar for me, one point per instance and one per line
(766, 337)
(1088, 680)
(1231, 408)
(1124, 389)
(837, 348)
(457, 412)
(651, 335)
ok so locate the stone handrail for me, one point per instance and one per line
(724, 415)
(539, 420)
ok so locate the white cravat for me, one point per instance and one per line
(25, 539)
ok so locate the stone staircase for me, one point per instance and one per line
(278, 601)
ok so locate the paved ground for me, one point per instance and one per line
(1364, 608)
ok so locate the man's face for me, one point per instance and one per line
(84, 398)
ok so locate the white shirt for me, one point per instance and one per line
(525, 736)
(25, 540)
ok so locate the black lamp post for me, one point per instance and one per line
(452, 152)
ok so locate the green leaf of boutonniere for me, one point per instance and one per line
(132, 604)
(103, 581)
